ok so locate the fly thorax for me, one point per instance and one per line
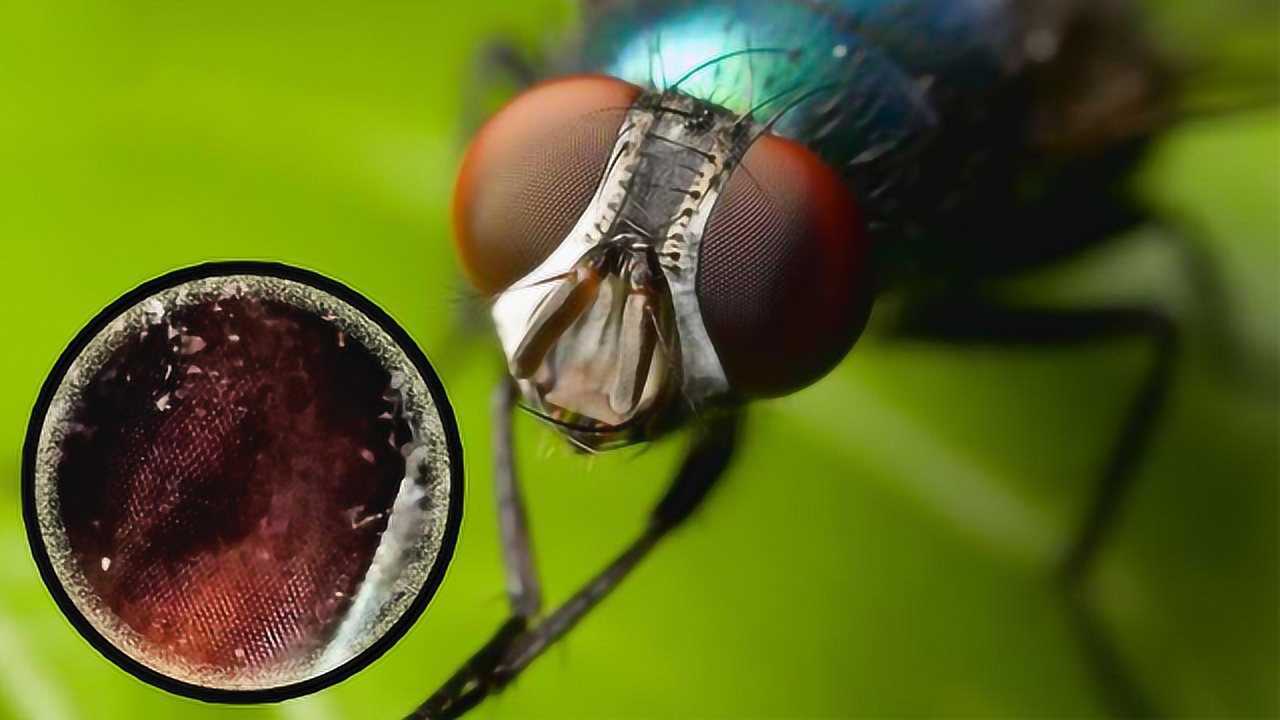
(605, 338)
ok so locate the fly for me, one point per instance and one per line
(698, 212)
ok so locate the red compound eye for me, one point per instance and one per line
(783, 277)
(241, 482)
(531, 172)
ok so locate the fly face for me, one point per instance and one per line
(653, 255)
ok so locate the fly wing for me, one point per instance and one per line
(1097, 77)
(1108, 71)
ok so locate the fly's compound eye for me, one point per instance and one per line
(531, 172)
(242, 482)
(783, 280)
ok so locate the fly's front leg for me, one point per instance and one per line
(519, 641)
(975, 321)
(524, 591)
(476, 678)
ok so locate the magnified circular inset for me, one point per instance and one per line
(242, 482)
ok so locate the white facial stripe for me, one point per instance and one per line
(703, 376)
(672, 157)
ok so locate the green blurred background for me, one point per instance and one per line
(882, 547)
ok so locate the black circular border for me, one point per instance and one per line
(443, 408)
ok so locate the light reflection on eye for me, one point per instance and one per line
(242, 485)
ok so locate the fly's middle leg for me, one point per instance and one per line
(972, 320)
(524, 590)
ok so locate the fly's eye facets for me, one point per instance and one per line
(241, 484)
(531, 172)
(784, 256)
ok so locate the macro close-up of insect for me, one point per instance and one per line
(707, 210)
(810, 358)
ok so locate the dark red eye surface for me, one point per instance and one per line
(179, 455)
(782, 277)
(530, 174)
(234, 482)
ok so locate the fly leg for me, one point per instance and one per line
(470, 684)
(524, 591)
(979, 322)
(520, 640)
(1212, 308)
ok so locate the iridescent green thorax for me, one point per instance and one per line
(850, 79)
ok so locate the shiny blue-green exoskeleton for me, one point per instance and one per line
(981, 136)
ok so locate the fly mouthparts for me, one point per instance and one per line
(559, 310)
(594, 345)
